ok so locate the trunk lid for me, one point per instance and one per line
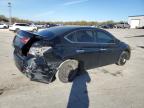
(23, 41)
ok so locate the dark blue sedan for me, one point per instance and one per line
(65, 51)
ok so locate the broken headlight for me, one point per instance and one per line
(39, 51)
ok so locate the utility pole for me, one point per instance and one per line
(9, 5)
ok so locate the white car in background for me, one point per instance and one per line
(22, 26)
(3, 26)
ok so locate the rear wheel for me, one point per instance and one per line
(16, 30)
(67, 71)
(34, 30)
(123, 58)
(5, 27)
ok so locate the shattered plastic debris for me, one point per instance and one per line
(37, 68)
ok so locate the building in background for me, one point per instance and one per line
(136, 21)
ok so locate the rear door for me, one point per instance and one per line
(82, 46)
(109, 50)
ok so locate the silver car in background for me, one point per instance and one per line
(3, 26)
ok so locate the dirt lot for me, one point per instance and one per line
(106, 87)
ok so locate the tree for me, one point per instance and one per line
(81, 23)
(3, 18)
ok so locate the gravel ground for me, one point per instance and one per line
(105, 87)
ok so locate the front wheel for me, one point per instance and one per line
(123, 58)
(17, 30)
(34, 30)
(5, 27)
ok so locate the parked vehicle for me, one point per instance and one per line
(48, 25)
(39, 26)
(140, 27)
(22, 26)
(65, 51)
(122, 25)
(106, 26)
(3, 26)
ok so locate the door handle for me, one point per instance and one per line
(80, 51)
(103, 49)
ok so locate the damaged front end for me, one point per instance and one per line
(36, 60)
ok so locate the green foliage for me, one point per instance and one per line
(3, 18)
(15, 19)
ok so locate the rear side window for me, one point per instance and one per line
(103, 37)
(71, 37)
(82, 36)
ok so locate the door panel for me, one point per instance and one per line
(109, 49)
(108, 54)
(89, 54)
(86, 53)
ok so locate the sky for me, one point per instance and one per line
(73, 10)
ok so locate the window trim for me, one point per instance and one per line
(109, 35)
(66, 37)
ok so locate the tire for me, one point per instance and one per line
(67, 71)
(5, 27)
(123, 58)
(16, 30)
(34, 30)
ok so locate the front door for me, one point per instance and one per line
(109, 49)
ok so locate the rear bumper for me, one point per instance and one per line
(39, 72)
(19, 62)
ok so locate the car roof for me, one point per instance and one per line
(53, 32)
(67, 28)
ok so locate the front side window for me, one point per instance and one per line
(103, 37)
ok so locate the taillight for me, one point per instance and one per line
(24, 39)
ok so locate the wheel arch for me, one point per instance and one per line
(129, 52)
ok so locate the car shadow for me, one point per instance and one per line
(134, 36)
(141, 47)
(117, 73)
(78, 97)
